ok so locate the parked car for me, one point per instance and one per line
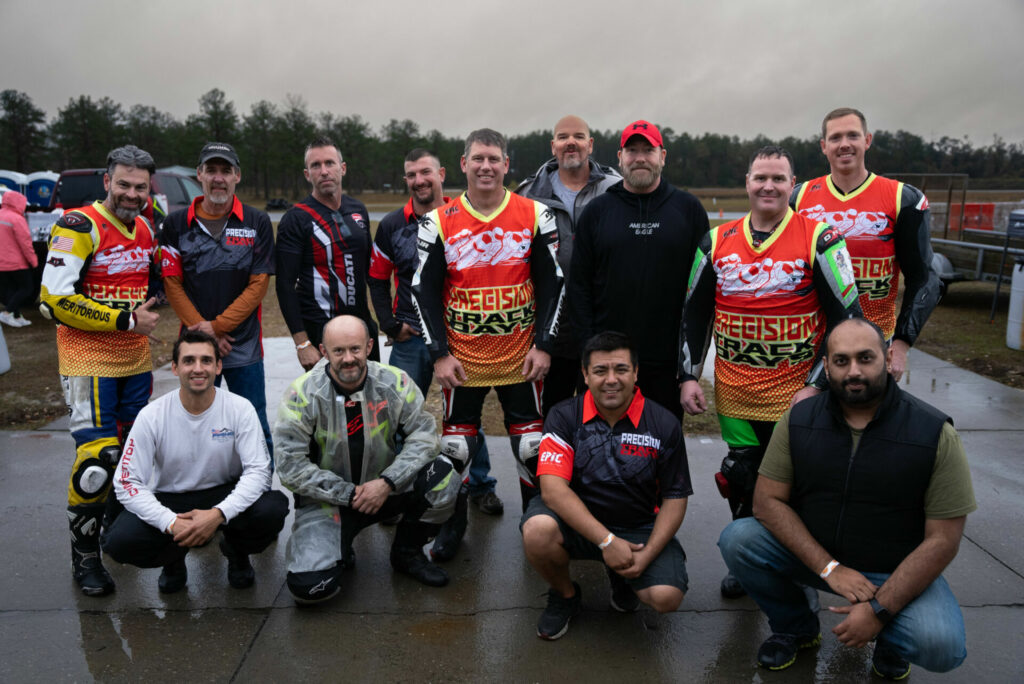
(78, 187)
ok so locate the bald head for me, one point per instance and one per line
(346, 325)
(861, 328)
(571, 144)
(571, 121)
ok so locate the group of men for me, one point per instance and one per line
(567, 297)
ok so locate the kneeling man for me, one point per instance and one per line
(863, 491)
(195, 461)
(335, 437)
(614, 481)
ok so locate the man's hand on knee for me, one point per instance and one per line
(369, 497)
(196, 527)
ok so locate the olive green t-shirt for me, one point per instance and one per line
(950, 493)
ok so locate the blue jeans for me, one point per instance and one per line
(928, 632)
(412, 357)
(249, 382)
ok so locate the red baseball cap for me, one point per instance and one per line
(644, 128)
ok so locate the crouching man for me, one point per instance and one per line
(864, 491)
(614, 482)
(335, 437)
(195, 461)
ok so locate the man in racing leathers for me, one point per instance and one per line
(886, 225)
(488, 290)
(767, 286)
(94, 284)
(323, 255)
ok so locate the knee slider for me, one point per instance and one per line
(460, 448)
(313, 587)
(93, 471)
(526, 438)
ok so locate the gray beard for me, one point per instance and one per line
(126, 216)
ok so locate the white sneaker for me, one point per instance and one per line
(21, 321)
(8, 318)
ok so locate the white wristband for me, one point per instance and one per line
(828, 569)
(607, 540)
(303, 345)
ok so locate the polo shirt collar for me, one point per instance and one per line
(635, 410)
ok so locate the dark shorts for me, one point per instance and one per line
(669, 568)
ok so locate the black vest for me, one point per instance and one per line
(866, 508)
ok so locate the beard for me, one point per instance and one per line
(641, 178)
(872, 391)
(571, 163)
(127, 215)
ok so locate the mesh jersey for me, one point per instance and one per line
(491, 266)
(867, 218)
(97, 272)
(768, 316)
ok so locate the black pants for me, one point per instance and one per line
(130, 540)
(16, 289)
(657, 380)
(564, 380)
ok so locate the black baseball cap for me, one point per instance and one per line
(219, 150)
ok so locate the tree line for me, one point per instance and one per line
(271, 137)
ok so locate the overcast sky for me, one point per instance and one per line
(738, 67)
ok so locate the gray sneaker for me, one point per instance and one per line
(488, 503)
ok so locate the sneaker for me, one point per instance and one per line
(779, 651)
(173, 577)
(623, 598)
(731, 588)
(887, 663)
(416, 565)
(92, 578)
(488, 503)
(8, 318)
(554, 621)
(21, 321)
(240, 572)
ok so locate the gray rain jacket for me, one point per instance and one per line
(322, 470)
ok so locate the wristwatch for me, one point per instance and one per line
(881, 612)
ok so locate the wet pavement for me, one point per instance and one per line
(385, 627)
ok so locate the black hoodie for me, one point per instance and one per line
(630, 264)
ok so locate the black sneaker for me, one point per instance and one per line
(488, 503)
(887, 663)
(779, 651)
(416, 565)
(623, 598)
(554, 621)
(240, 572)
(173, 577)
(731, 588)
(92, 578)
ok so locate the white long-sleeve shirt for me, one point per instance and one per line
(170, 450)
